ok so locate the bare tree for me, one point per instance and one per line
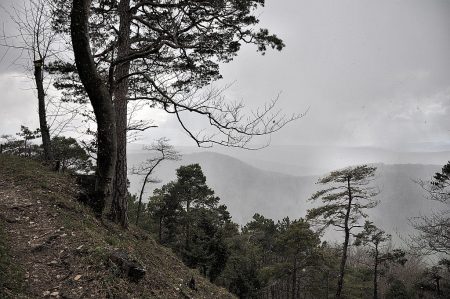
(37, 38)
(162, 151)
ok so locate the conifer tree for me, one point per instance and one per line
(298, 244)
(345, 200)
(434, 229)
(166, 53)
(376, 240)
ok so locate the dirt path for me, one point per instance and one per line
(39, 243)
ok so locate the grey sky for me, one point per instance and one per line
(374, 73)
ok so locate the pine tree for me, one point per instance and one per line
(347, 196)
(376, 240)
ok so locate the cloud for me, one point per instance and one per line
(18, 103)
(371, 72)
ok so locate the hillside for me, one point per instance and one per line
(52, 246)
(246, 189)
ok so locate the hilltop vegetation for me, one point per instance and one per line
(289, 257)
(83, 254)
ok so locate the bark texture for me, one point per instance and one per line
(45, 132)
(375, 274)
(119, 205)
(294, 279)
(100, 99)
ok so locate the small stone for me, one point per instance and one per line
(76, 278)
(79, 247)
(46, 293)
(54, 294)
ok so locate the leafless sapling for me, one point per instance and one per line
(162, 151)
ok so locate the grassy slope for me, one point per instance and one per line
(62, 250)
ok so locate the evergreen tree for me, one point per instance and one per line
(262, 232)
(191, 221)
(345, 200)
(165, 53)
(434, 230)
(165, 210)
(240, 275)
(70, 154)
(376, 239)
(397, 290)
(298, 244)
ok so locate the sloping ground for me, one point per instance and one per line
(52, 246)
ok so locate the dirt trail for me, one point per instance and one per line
(38, 241)
(62, 251)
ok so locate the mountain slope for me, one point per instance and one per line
(61, 250)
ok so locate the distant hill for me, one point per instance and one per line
(246, 189)
(303, 160)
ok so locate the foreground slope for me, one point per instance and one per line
(51, 245)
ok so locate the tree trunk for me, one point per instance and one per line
(294, 278)
(438, 287)
(143, 187)
(45, 132)
(188, 226)
(346, 241)
(160, 230)
(100, 99)
(375, 275)
(119, 206)
(140, 198)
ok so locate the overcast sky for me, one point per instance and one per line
(373, 73)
